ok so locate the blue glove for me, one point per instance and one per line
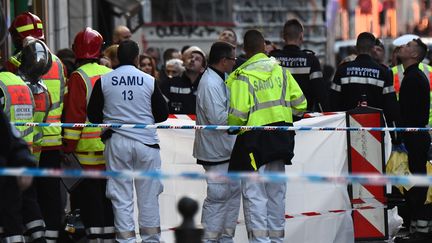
(399, 148)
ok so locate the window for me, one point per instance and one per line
(192, 11)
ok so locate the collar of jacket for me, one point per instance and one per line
(255, 58)
(221, 74)
(364, 57)
(291, 48)
(412, 67)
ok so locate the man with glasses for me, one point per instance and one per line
(262, 93)
(212, 148)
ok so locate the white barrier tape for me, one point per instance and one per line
(233, 128)
(366, 179)
(311, 214)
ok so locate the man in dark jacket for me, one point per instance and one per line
(364, 78)
(414, 102)
(304, 66)
(14, 152)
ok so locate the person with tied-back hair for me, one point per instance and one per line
(111, 54)
(128, 95)
(262, 93)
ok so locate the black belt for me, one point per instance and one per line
(108, 134)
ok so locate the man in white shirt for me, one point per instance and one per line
(212, 148)
(128, 95)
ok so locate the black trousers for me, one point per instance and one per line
(49, 192)
(95, 208)
(417, 145)
(10, 207)
(32, 215)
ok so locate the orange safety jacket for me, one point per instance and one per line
(84, 142)
(55, 81)
(42, 107)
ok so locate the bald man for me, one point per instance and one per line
(120, 34)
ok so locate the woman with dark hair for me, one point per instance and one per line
(148, 65)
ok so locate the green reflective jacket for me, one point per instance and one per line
(262, 92)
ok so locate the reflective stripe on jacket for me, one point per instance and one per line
(55, 81)
(398, 75)
(42, 107)
(262, 92)
(19, 104)
(88, 138)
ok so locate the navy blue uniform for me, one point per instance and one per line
(181, 94)
(364, 76)
(414, 103)
(306, 69)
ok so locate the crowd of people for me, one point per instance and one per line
(264, 86)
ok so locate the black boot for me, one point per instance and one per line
(415, 237)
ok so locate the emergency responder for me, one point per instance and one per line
(128, 95)
(85, 143)
(361, 78)
(213, 148)
(36, 60)
(414, 100)
(304, 66)
(262, 93)
(48, 189)
(16, 100)
(14, 152)
(398, 70)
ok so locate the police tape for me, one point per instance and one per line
(320, 213)
(364, 179)
(223, 127)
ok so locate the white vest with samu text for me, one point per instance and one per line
(127, 99)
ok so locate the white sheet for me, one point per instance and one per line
(315, 151)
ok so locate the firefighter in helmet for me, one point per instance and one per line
(27, 100)
(49, 154)
(85, 143)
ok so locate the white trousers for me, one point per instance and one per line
(221, 207)
(264, 207)
(127, 154)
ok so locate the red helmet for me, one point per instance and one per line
(87, 44)
(24, 25)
